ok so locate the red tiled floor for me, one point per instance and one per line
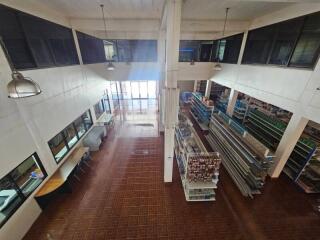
(124, 197)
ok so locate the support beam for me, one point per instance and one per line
(208, 89)
(195, 85)
(288, 141)
(173, 8)
(243, 45)
(232, 101)
(162, 63)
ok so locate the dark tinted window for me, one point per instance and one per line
(17, 185)
(92, 48)
(195, 50)
(136, 50)
(231, 49)
(14, 39)
(307, 49)
(189, 51)
(205, 51)
(35, 42)
(258, 45)
(50, 43)
(285, 39)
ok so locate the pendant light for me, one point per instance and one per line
(19, 86)
(218, 66)
(110, 65)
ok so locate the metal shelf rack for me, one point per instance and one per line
(299, 166)
(199, 169)
(200, 111)
(246, 159)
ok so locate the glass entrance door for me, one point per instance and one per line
(135, 90)
(143, 87)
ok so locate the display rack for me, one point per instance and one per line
(302, 165)
(245, 158)
(200, 110)
(199, 169)
(222, 104)
(240, 110)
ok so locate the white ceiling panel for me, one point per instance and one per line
(239, 10)
(113, 8)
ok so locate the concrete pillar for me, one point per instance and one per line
(289, 139)
(232, 101)
(173, 8)
(195, 85)
(162, 75)
(208, 89)
(76, 42)
(243, 45)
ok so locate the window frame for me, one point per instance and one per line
(28, 48)
(16, 187)
(275, 35)
(77, 135)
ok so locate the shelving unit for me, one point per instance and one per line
(199, 169)
(239, 112)
(200, 111)
(302, 165)
(222, 104)
(246, 159)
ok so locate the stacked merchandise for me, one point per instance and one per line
(267, 129)
(302, 165)
(201, 109)
(239, 111)
(199, 169)
(185, 97)
(246, 159)
(222, 104)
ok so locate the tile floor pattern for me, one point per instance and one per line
(124, 197)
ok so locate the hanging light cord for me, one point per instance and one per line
(225, 22)
(104, 20)
(223, 31)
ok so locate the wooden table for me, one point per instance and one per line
(62, 173)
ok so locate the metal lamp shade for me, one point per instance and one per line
(110, 66)
(21, 87)
(217, 67)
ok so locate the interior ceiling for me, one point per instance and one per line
(117, 9)
(152, 9)
(239, 10)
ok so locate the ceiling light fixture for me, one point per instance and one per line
(19, 86)
(110, 65)
(218, 66)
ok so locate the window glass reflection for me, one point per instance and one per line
(58, 146)
(28, 175)
(70, 135)
(9, 199)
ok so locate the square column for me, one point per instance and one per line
(232, 101)
(195, 85)
(208, 89)
(288, 141)
(171, 93)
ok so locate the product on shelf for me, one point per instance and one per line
(201, 109)
(247, 166)
(199, 169)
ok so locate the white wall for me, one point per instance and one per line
(290, 89)
(27, 124)
(185, 85)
